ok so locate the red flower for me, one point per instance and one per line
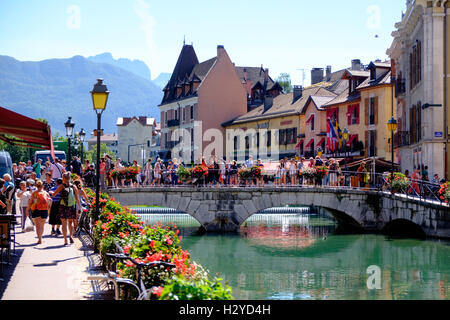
(157, 291)
(152, 243)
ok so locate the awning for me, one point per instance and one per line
(321, 141)
(309, 119)
(299, 144)
(18, 130)
(309, 144)
(352, 138)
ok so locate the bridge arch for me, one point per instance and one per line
(225, 209)
(403, 228)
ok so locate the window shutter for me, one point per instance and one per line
(349, 115)
(374, 133)
(366, 145)
(367, 107)
(375, 110)
(357, 113)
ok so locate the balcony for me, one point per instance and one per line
(173, 123)
(402, 139)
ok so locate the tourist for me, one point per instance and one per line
(223, 172)
(300, 166)
(234, 173)
(278, 176)
(228, 170)
(24, 196)
(425, 173)
(47, 167)
(148, 172)
(49, 182)
(261, 178)
(415, 178)
(102, 174)
(67, 211)
(293, 172)
(333, 173)
(76, 166)
(157, 173)
(283, 173)
(173, 172)
(8, 190)
(249, 162)
(55, 220)
(37, 168)
(56, 169)
(39, 204)
(29, 167)
(89, 177)
(362, 175)
(109, 168)
(83, 196)
(135, 180)
(2, 198)
(118, 166)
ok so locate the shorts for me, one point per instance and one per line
(39, 214)
(67, 212)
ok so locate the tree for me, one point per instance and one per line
(91, 155)
(285, 82)
(18, 154)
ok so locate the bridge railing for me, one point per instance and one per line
(367, 181)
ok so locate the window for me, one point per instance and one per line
(247, 142)
(372, 111)
(192, 112)
(176, 114)
(184, 114)
(415, 65)
(312, 123)
(257, 140)
(372, 143)
(354, 117)
(235, 143)
(269, 138)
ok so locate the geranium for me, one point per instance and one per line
(244, 173)
(321, 172)
(198, 172)
(256, 172)
(309, 173)
(398, 181)
(444, 192)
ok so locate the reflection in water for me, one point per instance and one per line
(298, 257)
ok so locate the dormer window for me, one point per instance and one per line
(373, 74)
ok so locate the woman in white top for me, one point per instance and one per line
(24, 195)
(283, 172)
(293, 173)
(148, 171)
(118, 166)
(157, 173)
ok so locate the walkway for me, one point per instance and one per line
(50, 271)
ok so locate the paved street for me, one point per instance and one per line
(49, 271)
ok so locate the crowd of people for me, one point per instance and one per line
(46, 190)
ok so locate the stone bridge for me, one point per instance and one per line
(225, 209)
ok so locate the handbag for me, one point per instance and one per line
(28, 225)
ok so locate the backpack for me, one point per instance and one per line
(70, 201)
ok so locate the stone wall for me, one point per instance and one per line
(225, 209)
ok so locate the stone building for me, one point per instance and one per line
(109, 139)
(137, 137)
(419, 54)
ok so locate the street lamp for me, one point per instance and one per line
(69, 133)
(392, 126)
(82, 136)
(99, 95)
(345, 136)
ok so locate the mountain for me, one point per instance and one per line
(57, 88)
(137, 67)
(162, 80)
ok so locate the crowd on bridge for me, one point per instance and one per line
(49, 190)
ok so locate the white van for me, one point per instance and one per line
(61, 155)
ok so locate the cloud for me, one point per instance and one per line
(148, 24)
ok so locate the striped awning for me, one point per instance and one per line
(309, 144)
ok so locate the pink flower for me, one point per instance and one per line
(157, 291)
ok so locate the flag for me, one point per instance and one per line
(332, 138)
(339, 134)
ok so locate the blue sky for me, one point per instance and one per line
(283, 36)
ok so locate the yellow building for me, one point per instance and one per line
(364, 109)
(272, 129)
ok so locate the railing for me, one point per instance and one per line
(345, 180)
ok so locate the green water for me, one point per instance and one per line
(299, 257)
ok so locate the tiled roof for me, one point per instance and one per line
(254, 75)
(383, 79)
(104, 138)
(142, 120)
(319, 101)
(344, 97)
(282, 106)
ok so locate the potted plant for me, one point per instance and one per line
(398, 182)
(185, 174)
(444, 192)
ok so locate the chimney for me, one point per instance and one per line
(356, 64)
(245, 74)
(316, 75)
(328, 73)
(220, 50)
(268, 102)
(298, 92)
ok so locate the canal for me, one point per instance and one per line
(302, 256)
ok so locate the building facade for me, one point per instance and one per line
(110, 139)
(137, 137)
(198, 98)
(420, 64)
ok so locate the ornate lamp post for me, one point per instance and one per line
(345, 136)
(82, 136)
(100, 95)
(69, 133)
(392, 126)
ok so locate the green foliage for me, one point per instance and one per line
(91, 155)
(17, 153)
(205, 289)
(285, 82)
